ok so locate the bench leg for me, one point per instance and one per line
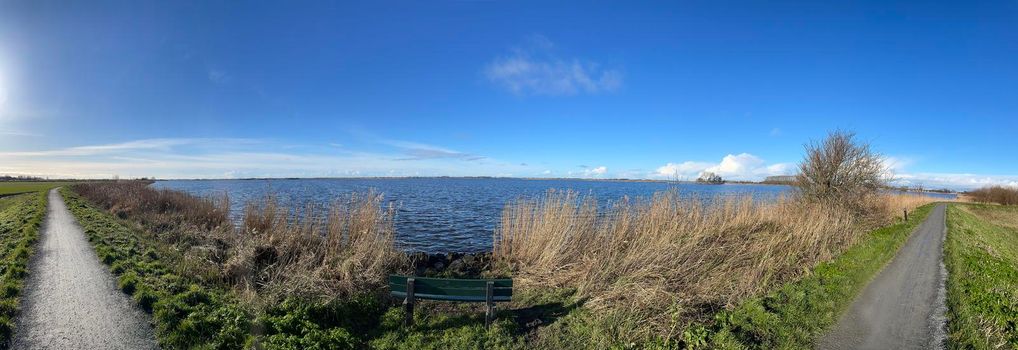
(489, 312)
(408, 303)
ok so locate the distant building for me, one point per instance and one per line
(780, 179)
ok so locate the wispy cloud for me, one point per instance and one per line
(9, 132)
(418, 151)
(218, 158)
(536, 69)
(218, 76)
(161, 144)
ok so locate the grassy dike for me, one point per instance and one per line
(20, 219)
(797, 314)
(981, 254)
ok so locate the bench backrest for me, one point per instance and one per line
(452, 289)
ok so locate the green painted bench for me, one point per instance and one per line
(488, 291)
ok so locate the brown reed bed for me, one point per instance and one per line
(670, 258)
(339, 250)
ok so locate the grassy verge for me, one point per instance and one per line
(186, 314)
(981, 255)
(797, 314)
(20, 219)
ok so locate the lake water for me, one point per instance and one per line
(444, 214)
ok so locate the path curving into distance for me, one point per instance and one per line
(71, 300)
(904, 306)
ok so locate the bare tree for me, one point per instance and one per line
(840, 171)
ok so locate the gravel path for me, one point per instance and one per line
(71, 301)
(903, 308)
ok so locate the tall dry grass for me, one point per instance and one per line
(671, 257)
(348, 248)
(276, 252)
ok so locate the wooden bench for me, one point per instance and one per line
(488, 291)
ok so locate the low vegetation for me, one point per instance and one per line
(20, 219)
(981, 254)
(995, 194)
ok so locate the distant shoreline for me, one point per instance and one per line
(474, 178)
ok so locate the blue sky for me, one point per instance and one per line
(587, 89)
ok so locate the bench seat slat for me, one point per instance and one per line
(461, 292)
(452, 289)
(452, 282)
(451, 297)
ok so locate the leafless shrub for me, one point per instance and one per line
(996, 194)
(840, 171)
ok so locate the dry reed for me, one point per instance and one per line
(670, 255)
(344, 249)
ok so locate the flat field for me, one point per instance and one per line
(14, 187)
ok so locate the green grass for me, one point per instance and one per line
(16, 187)
(981, 254)
(20, 219)
(796, 315)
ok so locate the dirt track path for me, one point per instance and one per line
(71, 301)
(903, 308)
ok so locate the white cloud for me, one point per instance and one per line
(588, 172)
(744, 163)
(598, 171)
(743, 166)
(677, 170)
(897, 170)
(536, 70)
(954, 181)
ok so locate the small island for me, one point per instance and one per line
(711, 178)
